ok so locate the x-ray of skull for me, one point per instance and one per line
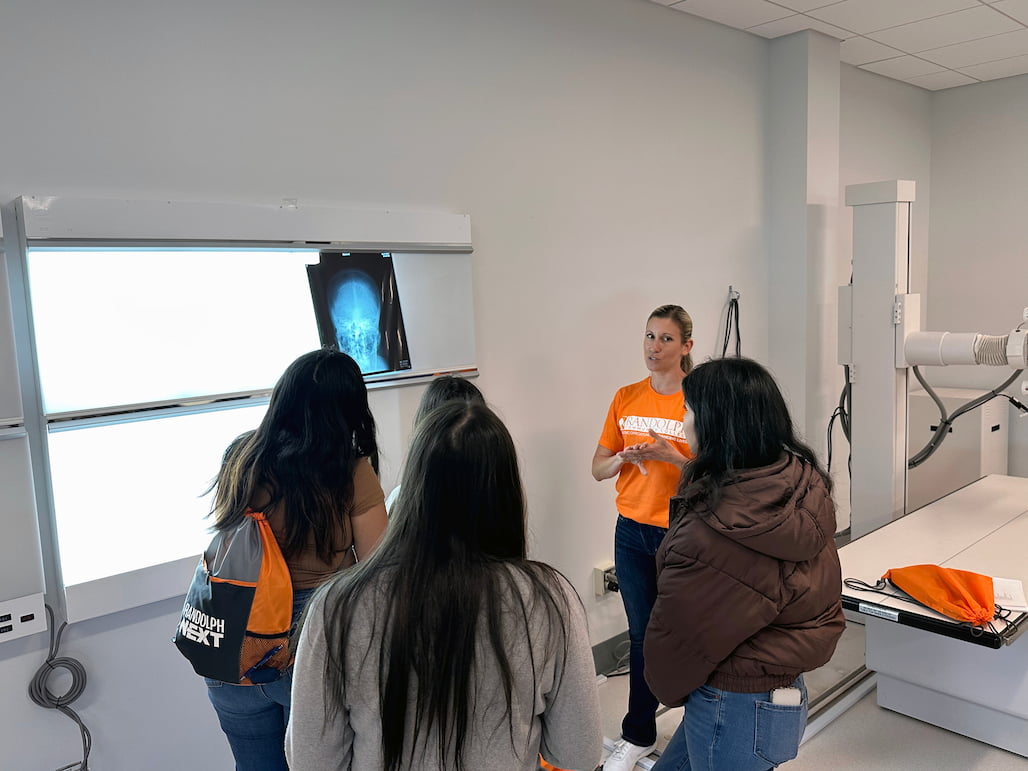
(357, 306)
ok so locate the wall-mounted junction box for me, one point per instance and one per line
(22, 616)
(605, 579)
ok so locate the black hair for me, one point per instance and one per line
(741, 422)
(317, 427)
(443, 389)
(450, 572)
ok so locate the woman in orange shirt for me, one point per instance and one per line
(642, 444)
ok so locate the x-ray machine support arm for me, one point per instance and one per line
(880, 338)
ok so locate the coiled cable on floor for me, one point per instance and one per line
(44, 697)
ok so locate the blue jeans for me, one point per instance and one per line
(635, 558)
(254, 717)
(728, 731)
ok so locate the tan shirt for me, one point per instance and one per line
(305, 568)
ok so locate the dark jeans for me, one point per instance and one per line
(635, 558)
(254, 717)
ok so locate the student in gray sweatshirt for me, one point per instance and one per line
(448, 648)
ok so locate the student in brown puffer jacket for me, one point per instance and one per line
(749, 583)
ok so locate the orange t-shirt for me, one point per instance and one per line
(635, 410)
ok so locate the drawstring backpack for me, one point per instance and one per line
(958, 594)
(235, 620)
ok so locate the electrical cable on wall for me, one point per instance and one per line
(731, 318)
(44, 697)
(842, 413)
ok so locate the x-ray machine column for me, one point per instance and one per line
(878, 312)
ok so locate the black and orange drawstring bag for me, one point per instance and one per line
(957, 594)
(235, 620)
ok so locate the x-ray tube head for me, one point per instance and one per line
(944, 348)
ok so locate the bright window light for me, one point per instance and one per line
(137, 326)
(129, 495)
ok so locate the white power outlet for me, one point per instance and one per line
(1024, 388)
(599, 580)
(1025, 314)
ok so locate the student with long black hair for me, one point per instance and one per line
(448, 648)
(310, 468)
(748, 578)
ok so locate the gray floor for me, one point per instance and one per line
(865, 737)
(869, 738)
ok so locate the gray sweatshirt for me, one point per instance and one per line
(562, 721)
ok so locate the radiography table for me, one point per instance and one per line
(928, 666)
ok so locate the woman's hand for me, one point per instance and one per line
(606, 463)
(659, 449)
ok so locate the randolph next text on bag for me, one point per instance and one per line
(238, 609)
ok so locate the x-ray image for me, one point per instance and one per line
(358, 309)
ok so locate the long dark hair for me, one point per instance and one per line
(318, 425)
(741, 422)
(455, 554)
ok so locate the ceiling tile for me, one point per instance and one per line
(870, 15)
(939, 80)
(1015, 8)
(979, 51)
(860, 50)
(902, 67)
(738, 13)
(946, 30)
(806, 5)
(1004, 68)
(795, 23)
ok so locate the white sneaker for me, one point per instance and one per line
(625, 755)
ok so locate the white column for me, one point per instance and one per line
(802, 205)
(881, 230)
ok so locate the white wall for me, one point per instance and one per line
(885, 133)
(978, 272)
(609, 152)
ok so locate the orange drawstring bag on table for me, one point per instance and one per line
(957, 594)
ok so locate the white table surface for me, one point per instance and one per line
(982, 528)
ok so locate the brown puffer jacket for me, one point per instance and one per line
(748, 594)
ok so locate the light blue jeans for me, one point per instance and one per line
(254, 717)
(728, 731)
